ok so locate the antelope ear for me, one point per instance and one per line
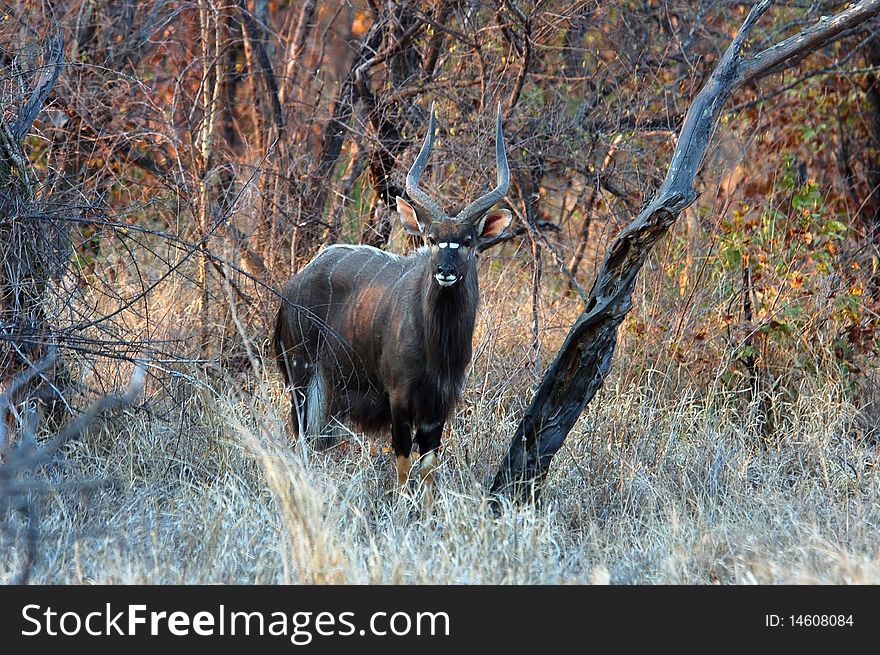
(409, 218)
(493, 223)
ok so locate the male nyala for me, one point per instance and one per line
(380, 340)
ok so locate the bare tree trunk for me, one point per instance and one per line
(584, 360)
(759, 407)
(271, 128)
(307, 230)
(209, 23)
(402, 64)
(295, 49)
(26, 265)
(435, 43)
(871, 210)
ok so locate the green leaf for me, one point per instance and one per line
(731, 256)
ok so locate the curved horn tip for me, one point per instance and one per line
(500, 150)
(416, 194)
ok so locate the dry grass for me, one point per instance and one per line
(662, 481)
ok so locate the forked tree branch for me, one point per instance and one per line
(584, 360)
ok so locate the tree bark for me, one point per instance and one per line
(296, 47)
(25, 272)
(584, 360)
(871, 209)
(401, 59)
(27, 254)
(309, 226)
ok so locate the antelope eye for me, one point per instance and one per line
(467, 242)
(432, 241)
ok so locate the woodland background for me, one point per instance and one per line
(192, 154)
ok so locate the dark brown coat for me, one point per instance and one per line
(382, 341)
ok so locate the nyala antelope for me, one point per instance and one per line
(381, 340)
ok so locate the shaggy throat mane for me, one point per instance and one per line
(449, 317)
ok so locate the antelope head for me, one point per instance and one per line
(453, 240)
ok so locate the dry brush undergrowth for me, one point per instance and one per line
(663, 481)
